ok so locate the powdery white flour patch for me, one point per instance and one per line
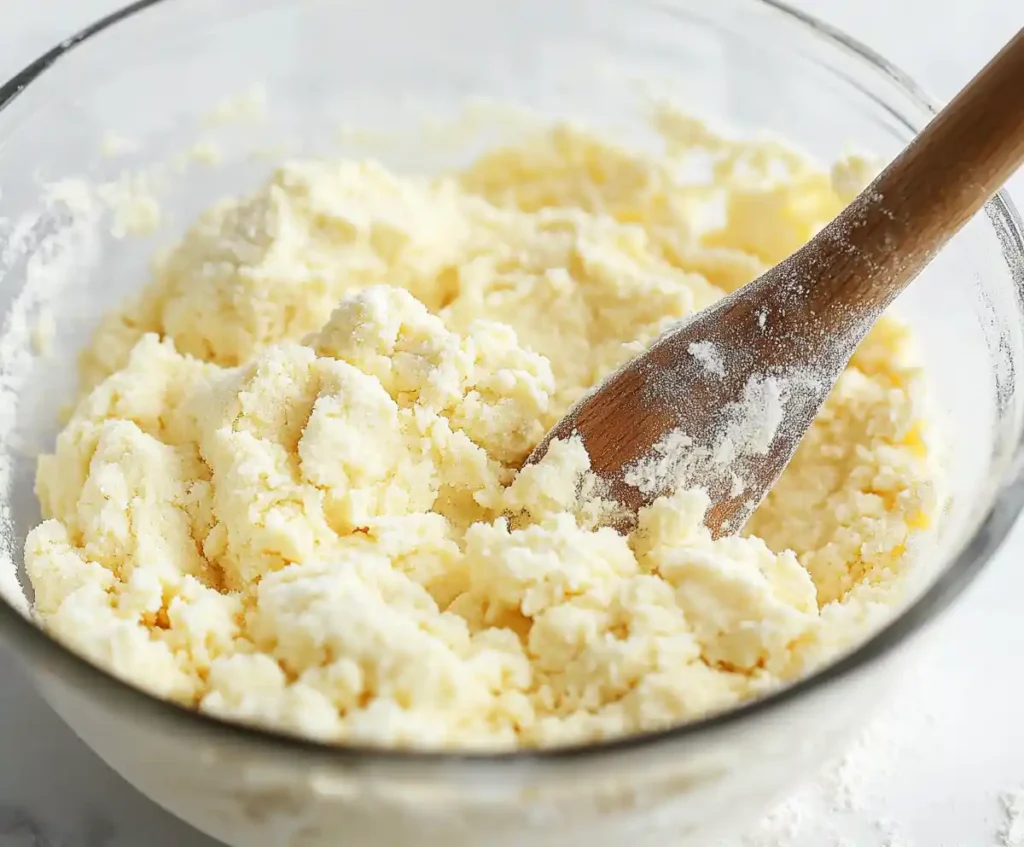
(707, 354)
(1011, 834)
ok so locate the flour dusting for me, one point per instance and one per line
(1011, 834)
(748, 428)
(707, 354)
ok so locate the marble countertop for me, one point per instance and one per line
(929, 773)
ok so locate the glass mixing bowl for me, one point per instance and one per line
(154, 72)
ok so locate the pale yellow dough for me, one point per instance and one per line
(284, 497)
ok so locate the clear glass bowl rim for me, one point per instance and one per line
(31, 641)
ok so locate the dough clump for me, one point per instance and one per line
(288, 493)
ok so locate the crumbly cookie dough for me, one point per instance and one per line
(283, 496)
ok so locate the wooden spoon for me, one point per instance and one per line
(722, 400)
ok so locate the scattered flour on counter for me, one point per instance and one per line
(1011, 834)
(782, 825)
(707, 354)
(892, 837)
(845, 780)
(848, 781)
(848, 804)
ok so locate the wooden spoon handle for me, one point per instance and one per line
(898, 223)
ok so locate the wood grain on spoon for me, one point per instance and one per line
(786, 337)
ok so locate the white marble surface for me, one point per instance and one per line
(931, 772)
